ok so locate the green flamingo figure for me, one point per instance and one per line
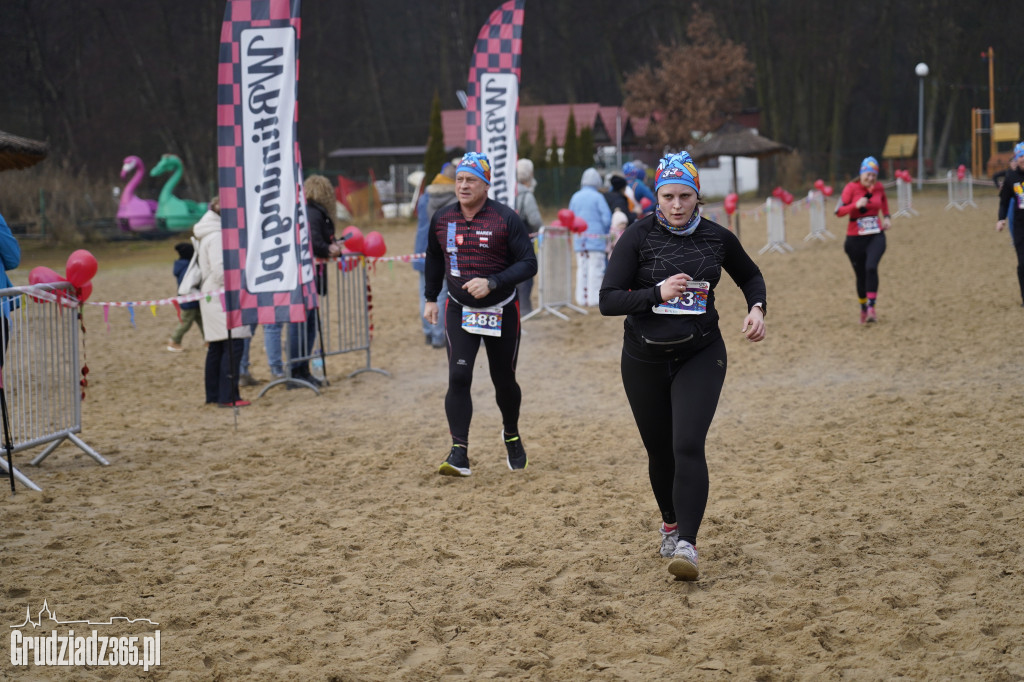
(173, 213)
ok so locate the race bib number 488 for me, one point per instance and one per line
(483, 321)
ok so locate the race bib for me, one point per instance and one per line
(693, 301)
(868, 225)
(483, 321)
(451, 245)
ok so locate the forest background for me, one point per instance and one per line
(100, 81)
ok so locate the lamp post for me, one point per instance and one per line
(922, 71)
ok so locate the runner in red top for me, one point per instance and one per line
(864, 202)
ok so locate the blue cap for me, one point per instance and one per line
(677, 169)
(869, 165)
(476, 163)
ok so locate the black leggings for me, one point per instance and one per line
(865, 253)
(502, 355)
(1018, 246)
(673, 402)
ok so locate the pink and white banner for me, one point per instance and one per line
(492, 97)
(268, 265)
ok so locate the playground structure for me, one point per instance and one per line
(174, 214)
(135, 214)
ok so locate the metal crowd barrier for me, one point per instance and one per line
(42, 399)
(961, 191)
(816, 211)
(554, 273)
(776, 227)
(904, 199)
(343, 322)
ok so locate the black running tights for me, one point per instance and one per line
(502, 355)
(865, 253)
(673, 403)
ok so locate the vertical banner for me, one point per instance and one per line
(268, 262)
(492, 97)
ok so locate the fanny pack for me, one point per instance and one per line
(664, 334)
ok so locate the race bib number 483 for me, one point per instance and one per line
(693, 301)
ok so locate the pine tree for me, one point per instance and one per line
(556, 159)
(525, 150)
(585, 147)
(538, 153)
(435, 156)
(570, 157)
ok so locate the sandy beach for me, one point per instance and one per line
(864, 522)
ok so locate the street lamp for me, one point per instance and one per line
(922, 71)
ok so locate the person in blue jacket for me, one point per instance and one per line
(10, 256)
(591, 255)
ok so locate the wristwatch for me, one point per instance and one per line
(492, 284)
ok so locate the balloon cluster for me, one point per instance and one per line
(820, 185)
(570, 221)
(732, 200)
(961, 172)
(782, 195)
(79, 271)
(904, 175)
(371, 245)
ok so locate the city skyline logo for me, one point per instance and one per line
(61, 649)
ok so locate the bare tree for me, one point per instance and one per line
(691, 85)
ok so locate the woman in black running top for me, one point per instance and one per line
(662, 276)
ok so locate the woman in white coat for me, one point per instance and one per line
(224, 354)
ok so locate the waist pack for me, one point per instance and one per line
(666, 334)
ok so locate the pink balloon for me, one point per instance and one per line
(579, 225)
(566, 217)
(786, 197)
(355, 242)
(645, 203)
(83, 292)
(819, 184)
(827, 191)
(777, 192)
(44, 275)
(961, 172)
(731, 202)
(373, 245)
(81, 267)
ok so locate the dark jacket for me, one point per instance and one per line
(321, 234)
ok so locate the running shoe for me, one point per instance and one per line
(871, 317)
(516, 453)
(669, 538)
(863, 316)
(457, 463)
(684, 561)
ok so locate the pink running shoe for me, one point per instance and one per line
(863, 316)
(871, 317)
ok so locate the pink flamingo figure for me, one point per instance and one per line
(133, 213)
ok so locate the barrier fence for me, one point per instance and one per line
(776, 211)
(961, 191)
(343, 321)
(39, 379)
(554, 273)
(816, 214)
(904, 199)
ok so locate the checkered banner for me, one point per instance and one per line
(268, 260)
(492, 97)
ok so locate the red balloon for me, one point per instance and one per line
(731, 201)
(777, 192)
(579, 225)
(645, 203)
(81, 267)
(786, 197)
(83, 292)
(819, 184)
(373, 245)
(566, 217)
(44, 275)
(355, 242)
(828, 190)
(961, 171)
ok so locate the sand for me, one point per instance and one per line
(867, 492)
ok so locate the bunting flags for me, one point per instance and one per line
(492, 97)
(268, 266)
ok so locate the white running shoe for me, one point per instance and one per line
(668, 541)
(684, 561)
